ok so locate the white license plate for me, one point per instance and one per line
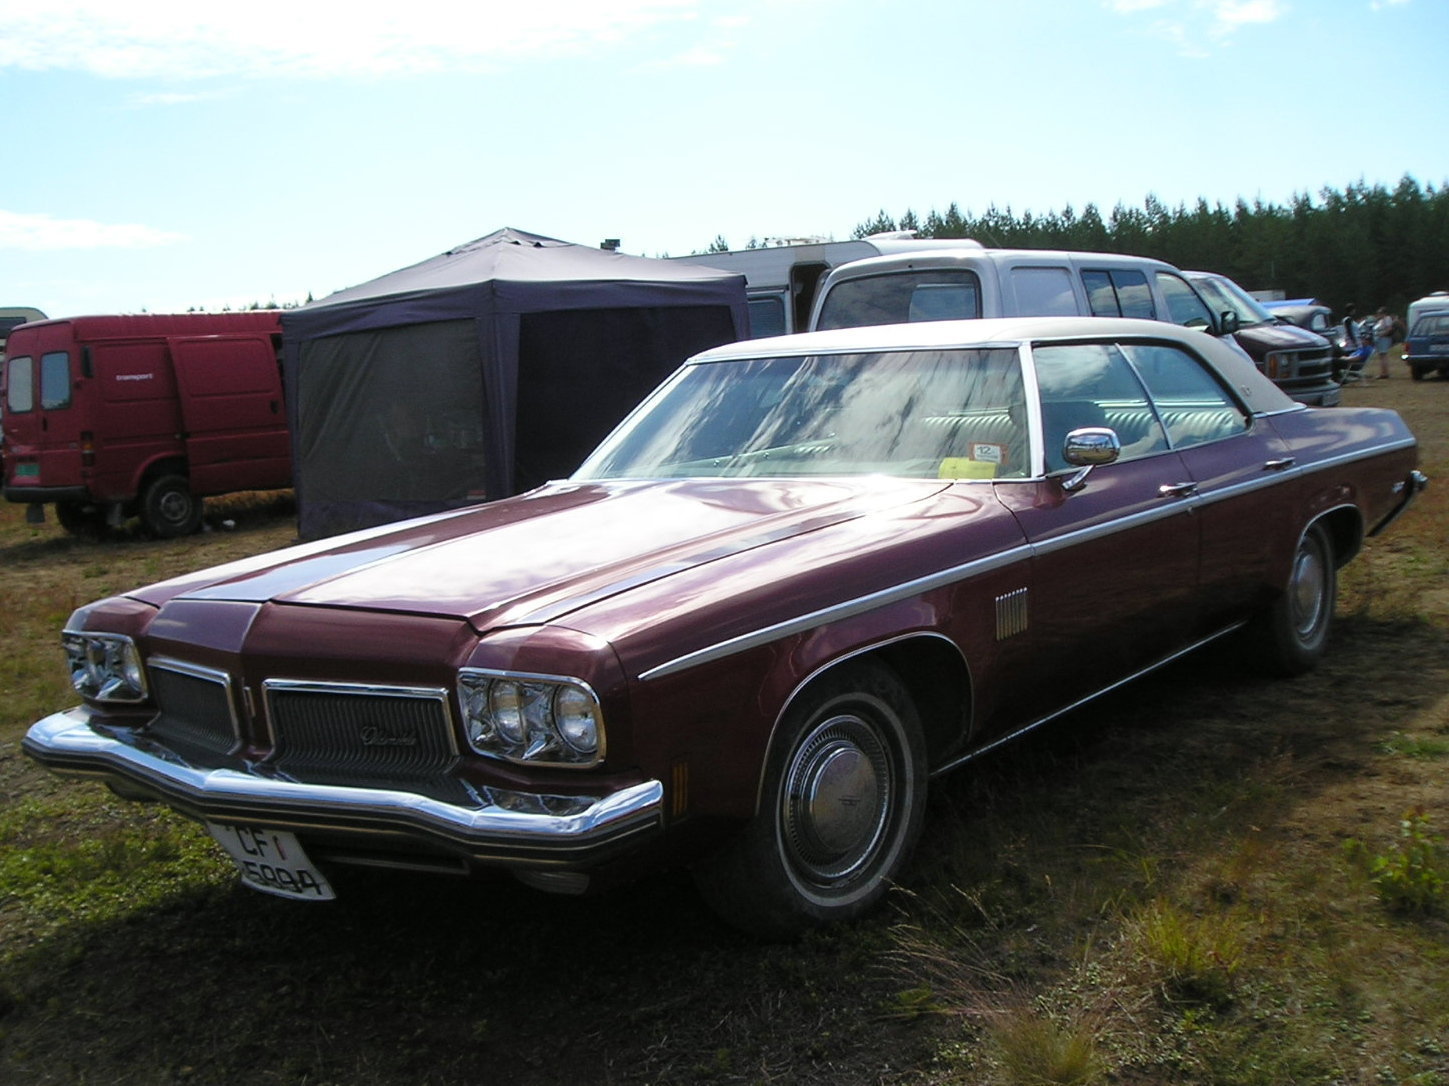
(272, 861)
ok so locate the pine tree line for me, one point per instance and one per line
(1364, 245)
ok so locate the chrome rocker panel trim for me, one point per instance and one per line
(67, 745)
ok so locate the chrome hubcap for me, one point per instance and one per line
(837, 798)
(1306, 590)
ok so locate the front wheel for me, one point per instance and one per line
(1291, 636)
(842, 802)
(169, 509)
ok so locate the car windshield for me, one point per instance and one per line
(1223, 295)
(957, 413)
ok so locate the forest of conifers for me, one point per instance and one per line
(1367, 245)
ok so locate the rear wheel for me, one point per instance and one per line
(80, 518)
(169, 509)
(841, 805)
(1290, 636)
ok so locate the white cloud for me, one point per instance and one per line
(38, 233)
(1128, 7)
(1228, 15)
(699, 57)
(180, 39)
(1188, 24)
(171, 98)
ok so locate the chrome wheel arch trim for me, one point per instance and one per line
(844, 660)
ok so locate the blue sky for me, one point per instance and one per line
(165, 154)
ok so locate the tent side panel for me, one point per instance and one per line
(580, 371)
(389, 424)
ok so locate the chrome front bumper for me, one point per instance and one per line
(507, 828)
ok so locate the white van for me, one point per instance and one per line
(782, 277)
(1432, 303)
(897, 278)
(971, 281)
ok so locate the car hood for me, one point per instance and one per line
(1281, 337)
(536, 557)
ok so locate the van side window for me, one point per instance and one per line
(900, 297)
(1183, 302)
(19, 384)
(767, 316)
(1044, 292)
(54, 381)
(1119, 293)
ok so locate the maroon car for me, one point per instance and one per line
(807, 575)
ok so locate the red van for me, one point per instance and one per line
(110, 417)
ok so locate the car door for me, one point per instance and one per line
(1115, 559)
(1236, 464)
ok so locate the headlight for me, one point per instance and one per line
(105, 667)
(1276, 365)
(531, 718)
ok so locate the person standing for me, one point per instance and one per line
(1383, 330)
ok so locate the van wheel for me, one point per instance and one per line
(80, 519)
(842, 804)
(169, 509)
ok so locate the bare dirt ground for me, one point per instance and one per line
(1196, 777)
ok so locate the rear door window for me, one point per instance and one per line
(19, 384)
(1192, 404)
(54, 381)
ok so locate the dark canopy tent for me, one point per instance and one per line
(483, 372)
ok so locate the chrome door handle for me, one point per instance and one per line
(1177, 490)
(1280, 465)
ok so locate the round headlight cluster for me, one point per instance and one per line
(105, 667)
(531, 718)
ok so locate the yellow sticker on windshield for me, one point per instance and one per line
(959, 467)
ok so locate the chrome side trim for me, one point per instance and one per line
(839, 611)
(65, 743)
(1001, 741)
(809, 621)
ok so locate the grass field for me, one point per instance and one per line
(1205, 878)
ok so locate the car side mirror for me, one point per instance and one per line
(1228, 323)
(1086, 449)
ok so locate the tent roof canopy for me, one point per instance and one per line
(440, 384)
(516, 256)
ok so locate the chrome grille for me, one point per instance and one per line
(198, 717)
(353, 734)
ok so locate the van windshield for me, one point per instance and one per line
(1225, 296)
(942, 294)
